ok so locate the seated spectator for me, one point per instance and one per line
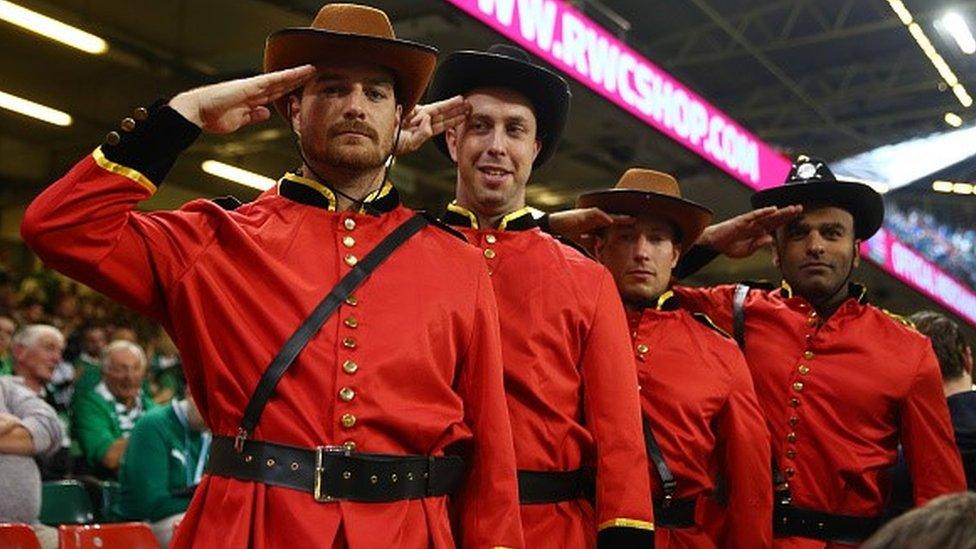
(29, 427)
(162, 465)
(103, 417)
(946, 522)
(36, 351)
(88, 364)
(7, 329)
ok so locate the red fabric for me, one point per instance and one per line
(870, 383)
(572, 394)
(230, 287)
(698, 397)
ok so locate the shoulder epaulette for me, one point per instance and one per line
(899, 319)
(572, 244)
(229, 203)
(437, 223)
(704, 319)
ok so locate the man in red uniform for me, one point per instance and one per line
(572, 394)
(702, 419)
(841, 382)
(359, 443)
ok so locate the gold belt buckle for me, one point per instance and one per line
(320, 453)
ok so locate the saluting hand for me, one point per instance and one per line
(426, 121)
(579, 224)
(742, 235)
(228, 106)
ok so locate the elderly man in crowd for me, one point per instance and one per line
(36, 350)
(104, 416)
(29, 427)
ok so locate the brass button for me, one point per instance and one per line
(351, 322)
(794, 402)
(351, 260)
(352, 301)
(349, 343)
(793, 421)
(113, 138)
(803, 369)
(808, 355)
(790, 472)
(347, 394)
(791, 438)
(350, 367)
(270, 462)
(791, 454)
(490, 239)
(128, 124)
(489, 253)
(798, 386)
(642, 348)
(348, 420)
(349, 223)
(349, 445)
(140, 114)
(348, 241)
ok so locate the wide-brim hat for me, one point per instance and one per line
(352, 33)
(641, 193)
(504, 66)
(810, 181)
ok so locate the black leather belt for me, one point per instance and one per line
(796, 521)
(333, 473)
(678, 513)
(554, 486)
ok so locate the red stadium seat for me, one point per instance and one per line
(18, 536)
(121, 535)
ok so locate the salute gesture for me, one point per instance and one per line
(426, 121)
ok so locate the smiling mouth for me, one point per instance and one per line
(494, 172)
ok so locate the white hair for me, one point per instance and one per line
(28, 335)
(123, 345)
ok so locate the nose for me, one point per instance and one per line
(642, 249)
(354, 109)
(496, 147)
(815, 245)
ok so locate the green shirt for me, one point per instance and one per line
(98, 420)
(163, 458)
(6, 365)
(91, 373)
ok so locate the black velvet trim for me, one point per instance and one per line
(152, 147)
(622, 537)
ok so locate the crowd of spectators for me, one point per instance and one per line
(953, 248)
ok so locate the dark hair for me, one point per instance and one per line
(946, 522)
(947, 341)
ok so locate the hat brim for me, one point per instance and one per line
(864, 203)
(548, 92)
(412, 63)
(691, 218)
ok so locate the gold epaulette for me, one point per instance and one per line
(704, 319)
(900, 319)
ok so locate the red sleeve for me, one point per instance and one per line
(927, 435)
(714, 301)
(745, 457)
(488, 503)
(86, 226)
(612, 408)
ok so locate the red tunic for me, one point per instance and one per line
(414, 355)
(698, 397)
(572, 395)
(839, 396)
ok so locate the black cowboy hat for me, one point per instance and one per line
(504, 66)
(811, 182)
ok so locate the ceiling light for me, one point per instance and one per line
(901, 11)
(34, 110)
(962, 188)
(237, 175)
(51, 28)
(962, 95)
(956, 26)
(953, 119)
(942, 186)
(937, 60)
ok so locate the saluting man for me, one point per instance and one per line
(396, 403)
(702, 419)
(572, 392)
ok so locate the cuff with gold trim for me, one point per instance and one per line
(150, 141)
(621, 533)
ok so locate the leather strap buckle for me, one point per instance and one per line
(320, 454)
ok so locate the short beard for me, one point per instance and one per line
(353, 160)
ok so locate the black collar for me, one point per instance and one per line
(855, 291)
(519, 220)
(312, 193)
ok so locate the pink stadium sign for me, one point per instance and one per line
(560, 34)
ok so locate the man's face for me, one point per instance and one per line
(347, 116)
(640, 257)
(123, 374)
(816, 251)
(494, 150)
(7, 329)
(93, 341)
(37, 361)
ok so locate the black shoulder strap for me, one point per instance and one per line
(739, 314)
(654, 453)
(311, 325)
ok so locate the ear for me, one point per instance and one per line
(967, 361)
(294, 106)
(857, 255)
(451, 136)
(538, 148)
(675, 254)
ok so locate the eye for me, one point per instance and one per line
(376, 94)
(515, 129)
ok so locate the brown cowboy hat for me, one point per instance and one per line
(643, 192)
(353, 33)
